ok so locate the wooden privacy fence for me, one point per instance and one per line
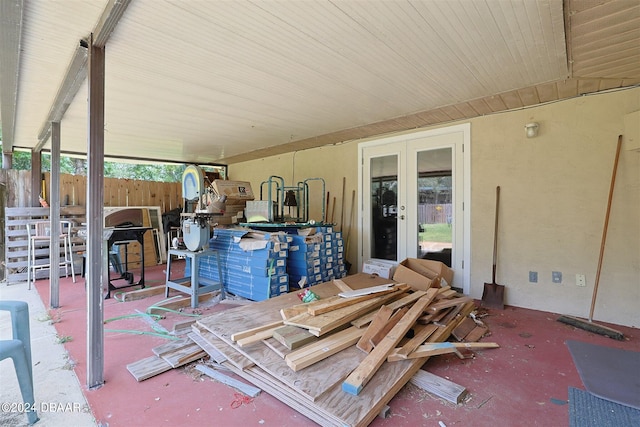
(119, 192)
(434, 214)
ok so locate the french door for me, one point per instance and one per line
(414, 191)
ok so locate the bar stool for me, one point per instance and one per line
(39, 235)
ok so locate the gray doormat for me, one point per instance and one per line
(587, 410)
(609, 373)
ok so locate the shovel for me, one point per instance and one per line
(493, 294)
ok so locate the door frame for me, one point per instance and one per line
(464, 207)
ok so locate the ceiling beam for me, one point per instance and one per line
(11, 12)
(77, 69)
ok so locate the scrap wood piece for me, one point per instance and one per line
(247, 389)
(438, 386)
(288, 312)
(380, 319)
(182, 326)
(365, 291)
(140, 293)
(406, 300)
(436, 317)
(356, 381)
(333, 303)
(258, 336)
(184, 355)
(178, 303)
(476, 333)
(420, 337)
(293, 337)
(433, 349)
(448, 303)
(452, 314)
(249, 332)
(171, 346)
(234, 357)
(446, 293)
(327, 322)
(322, 349)
(393, 321)
(277, 347)
(213, 352)
(343, 287)
(463, 329)
(148, 367)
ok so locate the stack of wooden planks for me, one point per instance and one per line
(341, 359)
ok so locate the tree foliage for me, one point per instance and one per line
(77, 166)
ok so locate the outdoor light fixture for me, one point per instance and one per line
(531, 129)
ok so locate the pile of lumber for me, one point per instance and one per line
(341, 359)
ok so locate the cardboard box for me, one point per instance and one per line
(423, 274)
(382, 267)
(234, 190)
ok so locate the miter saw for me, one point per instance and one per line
(202, 205)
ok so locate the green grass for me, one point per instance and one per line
(436, 233)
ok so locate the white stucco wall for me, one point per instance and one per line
(554, 191)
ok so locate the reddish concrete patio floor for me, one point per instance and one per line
(524, 383)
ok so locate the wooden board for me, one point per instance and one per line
(183, 326)
(381, 318)
(448, 303)
(324, 306)
(293, 337)
(208, 348)
(365, 291)
(450, 314)
(184, 355)
(440, 387)
(433, 349)
(237, 359)
(393, 321)
(249, 332)
(171, 346)
(324, 348)
(359, 378)
(476, 334)
(289, 312)
(140, 293)
(343, 287)
(277, 347)
(258, 336)
(148, 367)
(466, 326)
(325, 323)
(420, 336)
(406, 300)
(176, 304)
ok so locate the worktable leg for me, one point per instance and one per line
(195, 280)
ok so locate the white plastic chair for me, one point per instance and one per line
(39, 234)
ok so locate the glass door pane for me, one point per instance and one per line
(434, 204)
(384, 207)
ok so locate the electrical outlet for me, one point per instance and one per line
(533, 277)
(556, 277)
(581, 280)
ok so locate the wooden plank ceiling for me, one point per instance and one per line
(212, 81)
